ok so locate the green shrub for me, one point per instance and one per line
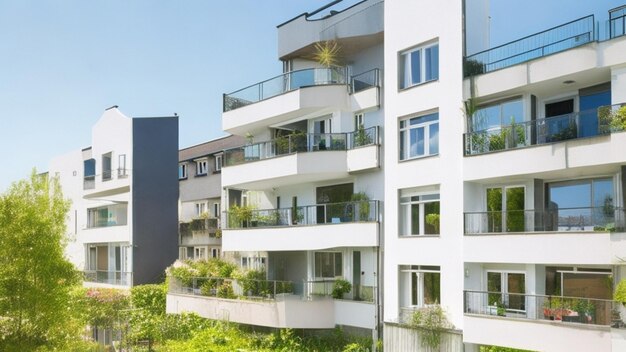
(433, 322)
(341, 287)
(620, 292)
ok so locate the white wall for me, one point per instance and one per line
(407, 24)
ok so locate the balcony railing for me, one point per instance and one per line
(324, 287)
(586, 219)
(617, 22)
(553, 40)
(120, 278)
(300, 142)
(231, 288)
(332, 213)
(282, 84)
(589, 123)
(365, 80)
(541, 307)
(89, 181)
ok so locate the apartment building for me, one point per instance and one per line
(200, 192)
(302, 196)
(503, 188)
(516, 153)
(124, 189)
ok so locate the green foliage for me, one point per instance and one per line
(240, 216)
(363, 204)
(433, 322)
(36, 279)
(148, 313)
(433, 220)
(612, 120)
(100, 307)
(361, 137)
(620, 292)
(341, 287)
(472, 67)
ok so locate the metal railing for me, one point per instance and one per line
(300, 142)
(89, 181)
(331, 213)
(231, 288)
(588, 123)
(542, 307)
(617, 22)
(120, 278)
(563, 37)
(324, 287)
(585, 219)
(365, 80)
(283, 83)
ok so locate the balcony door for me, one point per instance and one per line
(561, 123)
(590, 100)
(321, 138)
(581, 205)
(505, 209)
(507, 289)
(332, 203)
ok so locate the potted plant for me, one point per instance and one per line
(361, 137)
(340, 288)
(362, 201)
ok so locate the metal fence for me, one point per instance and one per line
(550, 41)
(330, 213)
(365, 80)
(580, 219)
(120, 278)
(283, 83)
(542, 307)
(231, 288)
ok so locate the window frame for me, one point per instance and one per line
(219, 162)
(334, 255)
(405, 62)
(201, 208)
(406, 130)
(415, 277)
(202, 167)
(406, 214)
(184, 174)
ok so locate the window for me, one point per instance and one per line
(419, 214)
(106, 167)
(358, 121)
(121, 166)
(216, 210)
(506, 209)
(200, 209)
(420, 285)
(218, 162)
(419, 65)
(182, 171)
(419, 136)
(201, 167)
(215, 252)
(511, 286)
(111, 215)
(581, 205)
(200, 253)
(328, 265)
(253, 263)
(497, 115)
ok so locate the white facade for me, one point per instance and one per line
(102, 182)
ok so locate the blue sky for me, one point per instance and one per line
(64, 62)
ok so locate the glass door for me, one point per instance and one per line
(505, 209)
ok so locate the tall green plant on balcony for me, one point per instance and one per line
(362, 200)
(361, 137)
(620, 292)
(240, 216)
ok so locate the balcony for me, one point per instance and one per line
(115, 278)
(354, 28)
(564, 37)
(349, 224)
(365, 89)
(591, 123)
(290, 159)
(199, 232)
(550, 236)
(108, 183)
(539, 322)
(278, 304)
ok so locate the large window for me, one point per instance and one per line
(419, 136)
(506, 209)
(507, 289)
(419, 214)
(581, 205)
(328, 265)
(253, 263)
(111, 215)
(494, 116)
(419, 65)
(420, 285)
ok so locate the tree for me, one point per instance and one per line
(35, 277)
